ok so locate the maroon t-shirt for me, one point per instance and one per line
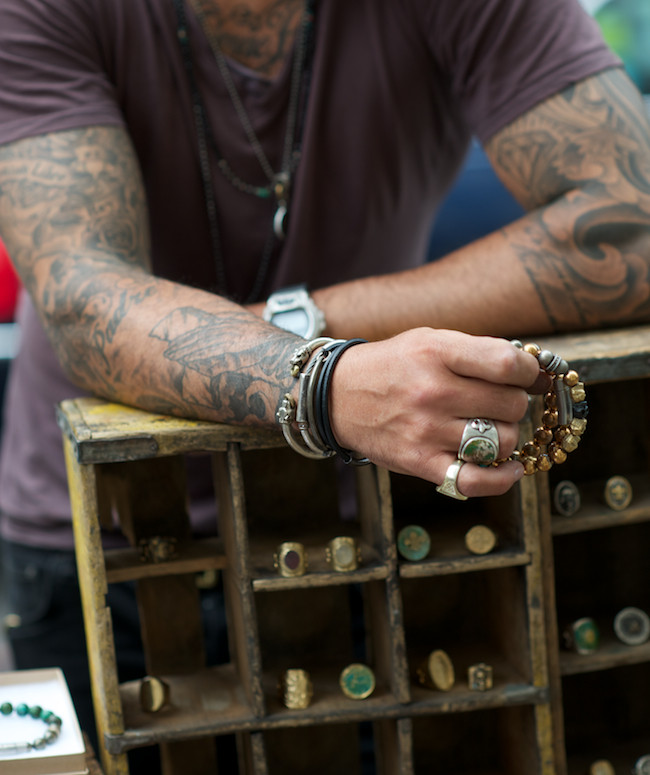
(397, 90)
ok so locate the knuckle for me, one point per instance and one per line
(508, 363)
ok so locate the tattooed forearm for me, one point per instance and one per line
(73, 213)
(586, 245)
(236, 382)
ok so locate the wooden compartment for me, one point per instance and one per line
(481, 742)
(549, 712)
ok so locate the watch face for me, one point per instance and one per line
(294, 320)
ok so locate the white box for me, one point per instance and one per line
(47, 688)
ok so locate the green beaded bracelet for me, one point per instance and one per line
(36, 712)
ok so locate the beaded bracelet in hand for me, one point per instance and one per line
(564, 419)
(36, 712)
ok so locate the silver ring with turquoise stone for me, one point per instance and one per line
(479, 443)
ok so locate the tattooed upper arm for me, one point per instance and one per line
(580, 163)
(67, 193)
(74, 219)
(595, 133)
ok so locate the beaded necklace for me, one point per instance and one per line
(36, 712)
(279, 183)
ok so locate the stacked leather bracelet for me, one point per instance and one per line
(314, 438)
(564, 419)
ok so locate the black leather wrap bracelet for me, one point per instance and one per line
(321, 401)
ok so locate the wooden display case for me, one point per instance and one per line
(549, 711)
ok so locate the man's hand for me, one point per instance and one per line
(404, 402)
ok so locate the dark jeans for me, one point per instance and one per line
(43, 590)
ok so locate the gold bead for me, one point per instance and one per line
(578, 426)
(549, 419)
(571, 378)
(550, 400)
(544, 463)
(533, 349)
(531, 449)
(578, 392)
(561, 433)
(570, 443)
(543, 435)
(529, 465)
(557, 454)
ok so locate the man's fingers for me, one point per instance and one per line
(474, 481)
(490, 359)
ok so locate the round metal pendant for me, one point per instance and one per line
(280, 222)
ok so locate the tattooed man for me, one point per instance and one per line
(166, 165)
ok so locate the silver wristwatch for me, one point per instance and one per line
(294, 310)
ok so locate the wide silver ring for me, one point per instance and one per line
(479, 443)
(449, 486)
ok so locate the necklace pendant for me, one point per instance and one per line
(280, 221)
(281, 187)
(281, 183)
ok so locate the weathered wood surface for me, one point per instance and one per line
(211, 702)
(205, 554)
(605, 356)
(97, 616)
(611, 653)
(104, 432)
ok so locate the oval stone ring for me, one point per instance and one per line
(479, 443)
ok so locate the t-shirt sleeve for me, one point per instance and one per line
(54, 72)
(502, 57)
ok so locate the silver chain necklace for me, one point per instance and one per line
(279, 183)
